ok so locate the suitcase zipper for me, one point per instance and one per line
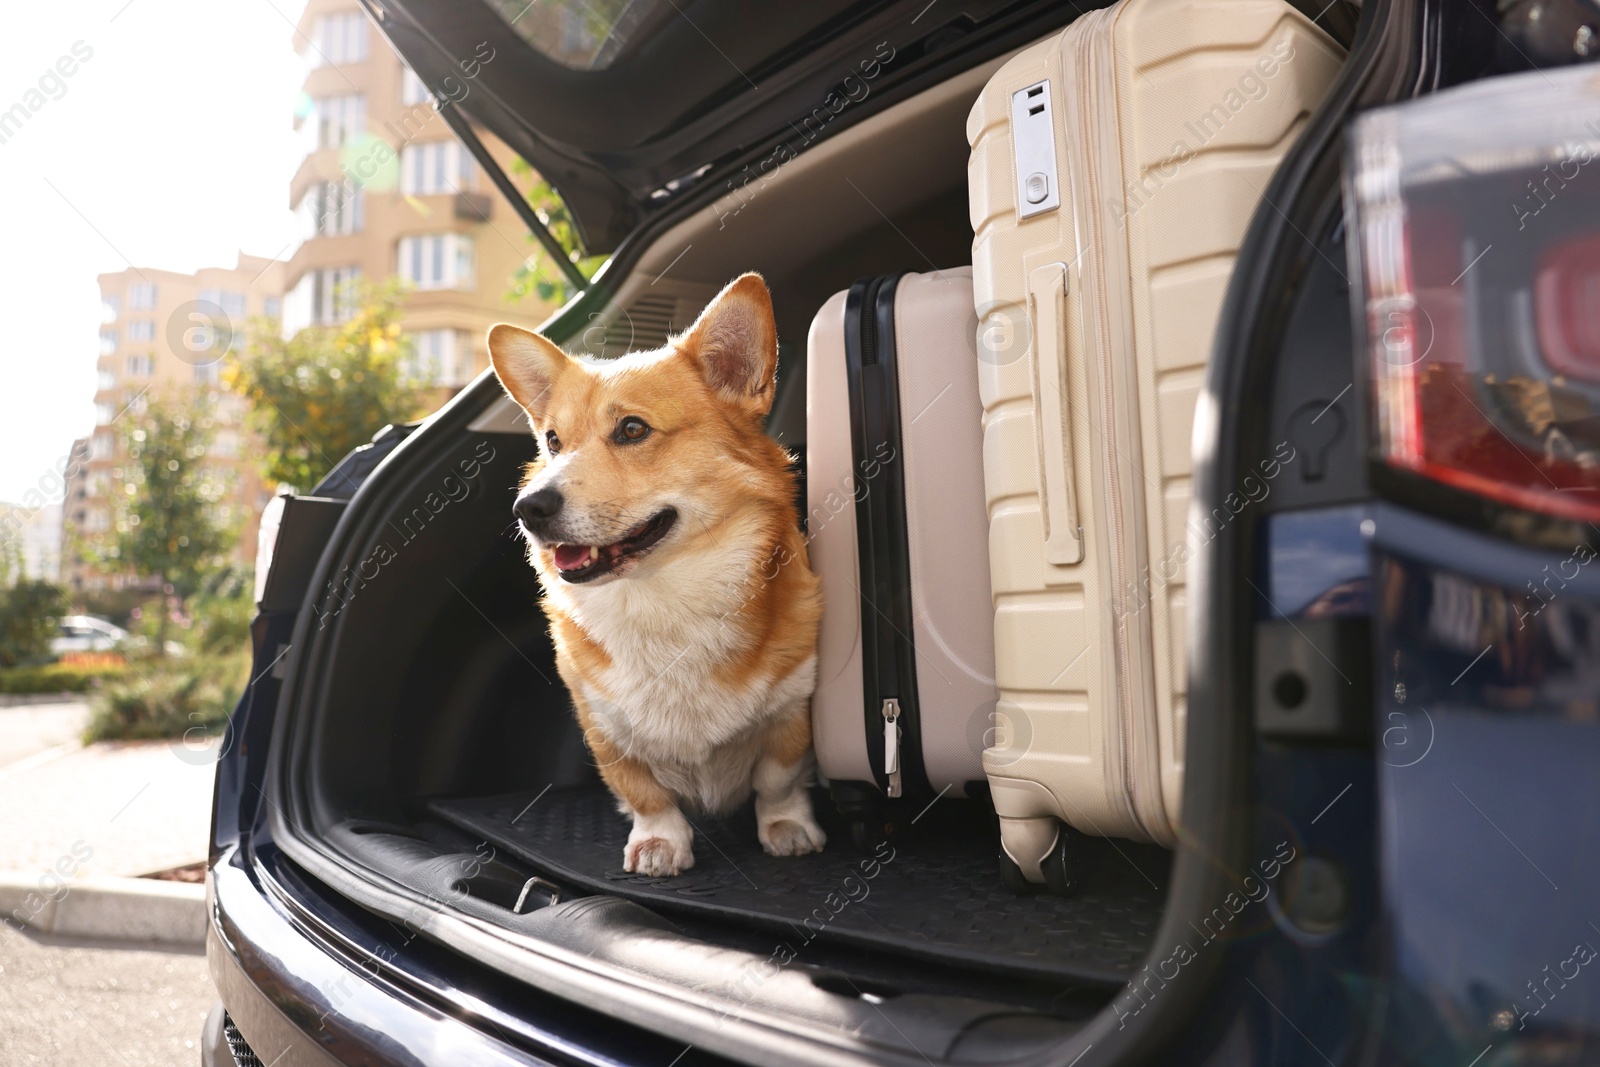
(1088, 69)
(888, 657)
(891, 745)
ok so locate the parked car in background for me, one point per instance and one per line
(87, 633)
(1392, 714)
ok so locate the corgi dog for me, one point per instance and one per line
(661, 521)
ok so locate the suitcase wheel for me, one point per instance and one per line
(1012, 878)
(1061, 866)
(868, 834)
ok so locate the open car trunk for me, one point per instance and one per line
(433, 757)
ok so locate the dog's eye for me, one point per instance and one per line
(631, 430)
(552, 443)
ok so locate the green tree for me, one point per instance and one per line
(539, 275)
(29, 612)
(165, 524)
(11, 526)
(325, 391)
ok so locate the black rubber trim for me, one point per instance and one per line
(888, 650)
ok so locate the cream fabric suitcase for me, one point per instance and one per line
(898, 535)
(1114, 170)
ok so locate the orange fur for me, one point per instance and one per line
(789, 741)
(628, 778)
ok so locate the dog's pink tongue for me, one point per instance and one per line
(571, 557)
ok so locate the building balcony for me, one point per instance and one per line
(321, 165)
(474, 207)
(330, 79)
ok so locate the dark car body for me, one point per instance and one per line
(1432, 802)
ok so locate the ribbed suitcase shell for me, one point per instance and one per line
(1169, 117)
(947, 533)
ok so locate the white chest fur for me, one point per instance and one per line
(668, 634)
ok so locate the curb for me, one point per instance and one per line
(22, 700)
(118, 909)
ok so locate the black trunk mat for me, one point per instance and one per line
(935, 896)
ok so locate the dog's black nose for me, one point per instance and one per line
(534, 509)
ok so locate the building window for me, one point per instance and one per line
(98, 521)
(272, 307)
(321, 297)
(339, 39)
(140, 366)
(103, 413)
(138, 403)
(412, 91)
(108, 342)
(440, 167)
(142, 296)
(215, 340)
(440, 357)
(143, 330)
(231, 303)
(108, 381)
(437, 261)
(337, 119)
(208, 373)
(330, 209)
(104, 444)
(110, 307)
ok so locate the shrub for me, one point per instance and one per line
(28, 614)
(56, 678)
(168, 698)
(220, 614)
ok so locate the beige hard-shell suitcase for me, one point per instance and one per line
(899, 537)
(1114, 170)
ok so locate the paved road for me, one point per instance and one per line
(99, 1004)
(112, 808)
(120, 808)
(30, 729)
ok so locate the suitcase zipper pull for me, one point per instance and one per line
(891, 744)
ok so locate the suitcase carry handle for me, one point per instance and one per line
(1047, 297)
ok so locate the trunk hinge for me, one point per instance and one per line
(463, 129)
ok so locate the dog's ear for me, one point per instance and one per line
(735, 342)
(527, 366)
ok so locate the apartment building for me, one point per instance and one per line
(386, 190)
(74, 513)
(30, 543)
(164, 334)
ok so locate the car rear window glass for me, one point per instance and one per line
(580, 34)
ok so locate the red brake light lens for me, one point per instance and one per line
(1475, 217)
(1566, 301)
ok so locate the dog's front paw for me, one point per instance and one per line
(656, 857)
(791, 837)
(660, 845)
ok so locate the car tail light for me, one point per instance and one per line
(1475, 217)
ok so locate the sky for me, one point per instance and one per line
(170, 146)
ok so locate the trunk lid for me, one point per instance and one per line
(625, 106)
